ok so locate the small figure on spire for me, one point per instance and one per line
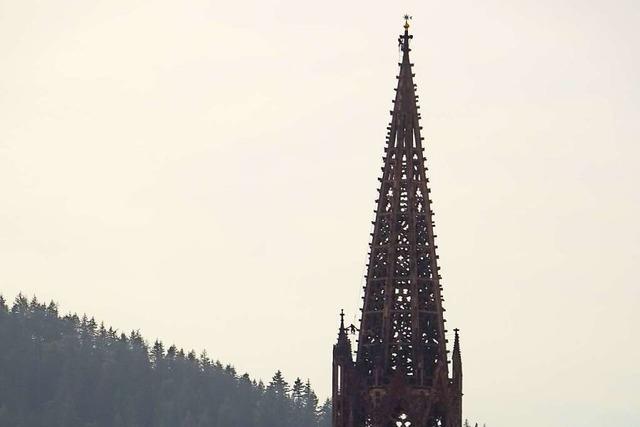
(352, 329)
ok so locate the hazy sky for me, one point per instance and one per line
(205, 171)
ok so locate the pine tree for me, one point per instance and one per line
(157, 353)
(20, 305)
(296, 392)
(310, 405)
(278, 385)
(325, 414)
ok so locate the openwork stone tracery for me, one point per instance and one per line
(400, 376)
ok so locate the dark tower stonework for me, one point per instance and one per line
(400, 376)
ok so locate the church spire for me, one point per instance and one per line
(457, 361)
(402, 326)
(400, 375)
(343, 339)
(342, 377)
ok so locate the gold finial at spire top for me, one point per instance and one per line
(407, 18)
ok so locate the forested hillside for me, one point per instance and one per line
(66, 371)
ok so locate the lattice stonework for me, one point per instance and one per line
(400, 376)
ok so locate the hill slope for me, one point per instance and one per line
(71, 372)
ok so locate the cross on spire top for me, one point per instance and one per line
(403, 40)
(407, 18)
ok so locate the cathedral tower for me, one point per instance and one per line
(400, 376)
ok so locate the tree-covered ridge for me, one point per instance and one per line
(66, 371)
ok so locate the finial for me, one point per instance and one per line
(403, 40)
(341, 319)
(407, 18)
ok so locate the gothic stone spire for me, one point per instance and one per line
(400, 376)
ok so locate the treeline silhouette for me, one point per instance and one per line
(66, 371)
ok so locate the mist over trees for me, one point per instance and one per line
(67, 371)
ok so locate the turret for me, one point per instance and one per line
(457, 363)
(456, 382)
(342, 374)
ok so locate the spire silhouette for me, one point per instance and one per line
(400, 375)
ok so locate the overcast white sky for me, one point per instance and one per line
(205, 171)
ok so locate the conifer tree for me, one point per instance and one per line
(325, 414)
